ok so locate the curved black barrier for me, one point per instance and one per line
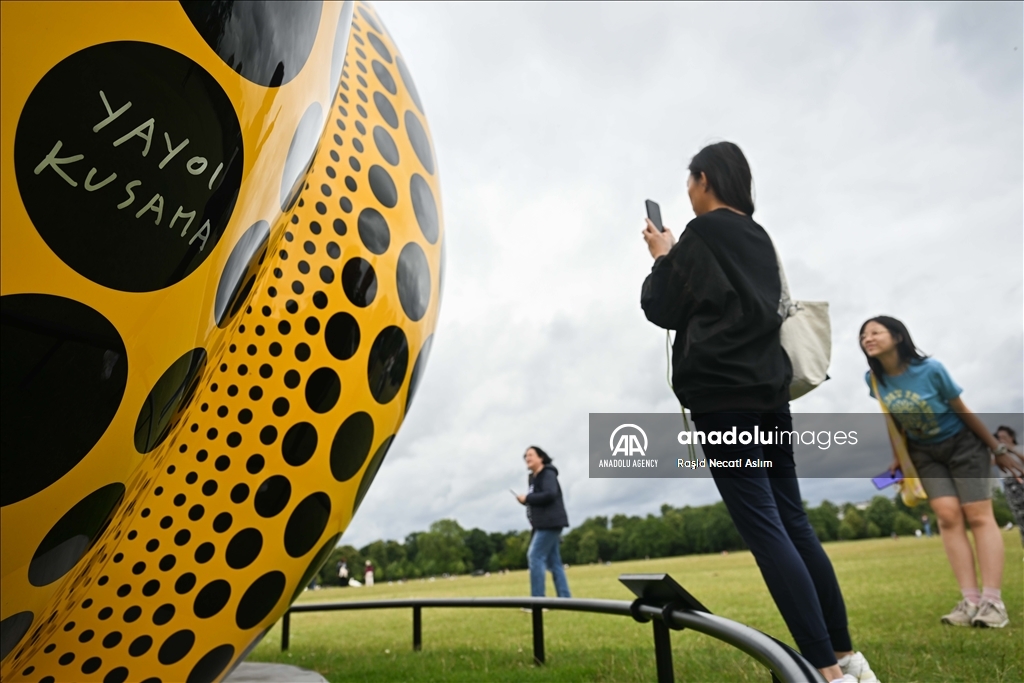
(784, 663)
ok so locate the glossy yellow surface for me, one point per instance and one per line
(164, 486)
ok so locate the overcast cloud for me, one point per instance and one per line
(886, 146)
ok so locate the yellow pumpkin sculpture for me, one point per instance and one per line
(221, 270)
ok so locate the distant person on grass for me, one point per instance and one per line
(719, 288)
(546, 512)
(952, 452)
(1013, 489)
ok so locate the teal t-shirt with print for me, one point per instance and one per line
(919, 400)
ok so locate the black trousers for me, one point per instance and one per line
(766, 508)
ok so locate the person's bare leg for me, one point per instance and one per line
(954, 539)
(988, 540)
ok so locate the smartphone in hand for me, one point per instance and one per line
(654, 213)
(887, 479)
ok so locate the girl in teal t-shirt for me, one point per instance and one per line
(952, 451)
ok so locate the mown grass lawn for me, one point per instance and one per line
(895, 592)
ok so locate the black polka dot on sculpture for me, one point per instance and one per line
(243, 548)
(385, 77)
(211, 598)
(413, 281)
(374, 231)
(267, 43)
(176, 646)
(385, 145)
(140, 646)
(211, 665)
(386, 109)
(299, 443)
(272, 496)
(341, 334)
(389, 359)
(380, 47)
(13, 629)
(300, 154)
(117, 675)
(351, 445)
(163, 614)
(168, 400)
(410, 86)
(240, 271)
(383, 187)
(359, 281)
(425, 208)
(65, 372)
(419, 141)
(371, 471)
(323, 388)
(259, 599)
(307, 523)
(72, 534)
(368, 18)
(315, 564)
(418, 368)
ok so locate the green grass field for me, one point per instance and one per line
(895, 592)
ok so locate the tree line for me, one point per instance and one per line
(448, 549)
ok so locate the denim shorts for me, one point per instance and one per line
(958, 466)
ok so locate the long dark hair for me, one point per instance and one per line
(544, 457)
(1004, 428)
(908, 353)
(727, 173)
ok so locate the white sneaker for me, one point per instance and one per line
(857, 667)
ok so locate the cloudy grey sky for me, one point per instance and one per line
(886, 146)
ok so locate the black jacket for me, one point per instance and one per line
(719, 289)
(544, 507)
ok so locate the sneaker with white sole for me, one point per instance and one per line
(857, 666)
(962, 614)
(991, 615)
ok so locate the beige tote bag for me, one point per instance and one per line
(806, 336)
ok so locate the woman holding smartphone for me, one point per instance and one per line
(546, 512)
(952, 451)
(719, 289)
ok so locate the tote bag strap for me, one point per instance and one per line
(911, 489)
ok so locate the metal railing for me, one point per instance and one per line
(783, 663)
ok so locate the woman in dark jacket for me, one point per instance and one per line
(719, 289)
(546, 512)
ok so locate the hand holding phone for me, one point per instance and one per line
(886, 479)
(654, 214)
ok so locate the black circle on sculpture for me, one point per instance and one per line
(267, 43)
(168, 400)
(239, 274)
(299, 443)
(413, 281)
(272, 496)
(211, 598)
(359, 281)
(385, 77)
(176, 647)
(341, 335)
(300, 154)
(386, 109)
(259, 599)
(243, 548)
(371, 471)
(383, 186)
(409, 84)
(323, 388)
(65, 369)
(385, 145)
(420, 141)
(211, 664)
(351, 446)
(306, 524)
(71, 536)
(425, 208)
(389, 359)
(418, 368)
(374, 231)
(12, 630)
(105, 190)
(315, 564)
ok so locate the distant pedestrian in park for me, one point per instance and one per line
(368, 574)
(719, 288)
(343, 572)
(952, 452)
(1013, 489)
(546, 512)
(926, 522)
